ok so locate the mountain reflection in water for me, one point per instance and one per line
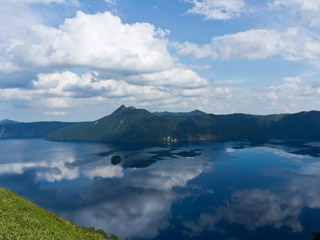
(232, 190)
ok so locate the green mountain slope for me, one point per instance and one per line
(8, 121)
(21, 219)
(303, 124)
(30, 130)
(126, 124)
(180, 114)
(131, 125)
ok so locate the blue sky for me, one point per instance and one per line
(74, 60)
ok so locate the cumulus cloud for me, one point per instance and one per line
(67, 89)
(308, 5)
(69, 84)
(91, 60)
(127, 61)
(254, 44)
(110, 2)
(99, 41)
(61, 91)
(308, 10)
(216, 9)
(8, 67)
(34, 1)
(56, 113)
(178, 77)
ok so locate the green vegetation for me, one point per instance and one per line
(123, 125)
(8, 121)
(128, 124)
(30, 130)
(131, 125)
(21, 219)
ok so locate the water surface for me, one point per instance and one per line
(233, 190)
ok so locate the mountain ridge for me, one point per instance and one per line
(134, 125)
(129, 124)
(8, 121)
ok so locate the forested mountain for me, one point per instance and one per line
(128, 124)
(180, 114)
(8, 121)
(30, 130)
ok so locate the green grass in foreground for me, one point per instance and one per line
(21, 219)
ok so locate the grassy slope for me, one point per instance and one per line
(21, 219)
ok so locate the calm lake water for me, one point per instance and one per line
(233, 190)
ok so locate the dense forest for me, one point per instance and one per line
(128, 124)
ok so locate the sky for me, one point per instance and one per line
(78, 60)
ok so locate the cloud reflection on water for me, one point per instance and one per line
(139, 204)
(276, 206)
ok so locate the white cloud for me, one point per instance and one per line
(123, 61)
(70, 85)
(302, 5)
(8, 67)
(67, 90)
(99, 41)
(307, 10)
(34, 1)
(217, 9)
(56, 113)
(131, 64)
(177, 76)
(110, 2)
(291, 45)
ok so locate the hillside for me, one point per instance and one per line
(30, 130)
(180, 114)
(21, 219)
(123, 125)
(8, 121)
(128, 124)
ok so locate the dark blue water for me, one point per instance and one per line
(234, 190)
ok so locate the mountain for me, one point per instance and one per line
(21, 219)
(132, 125)
(30, 130)
(128, 124)
(180, 114)
(303, 124)
(8, 121)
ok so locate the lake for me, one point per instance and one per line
(231, 190)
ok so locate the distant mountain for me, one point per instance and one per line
(128, 124)
(180, 114)
(31, 130)
(8, 121)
